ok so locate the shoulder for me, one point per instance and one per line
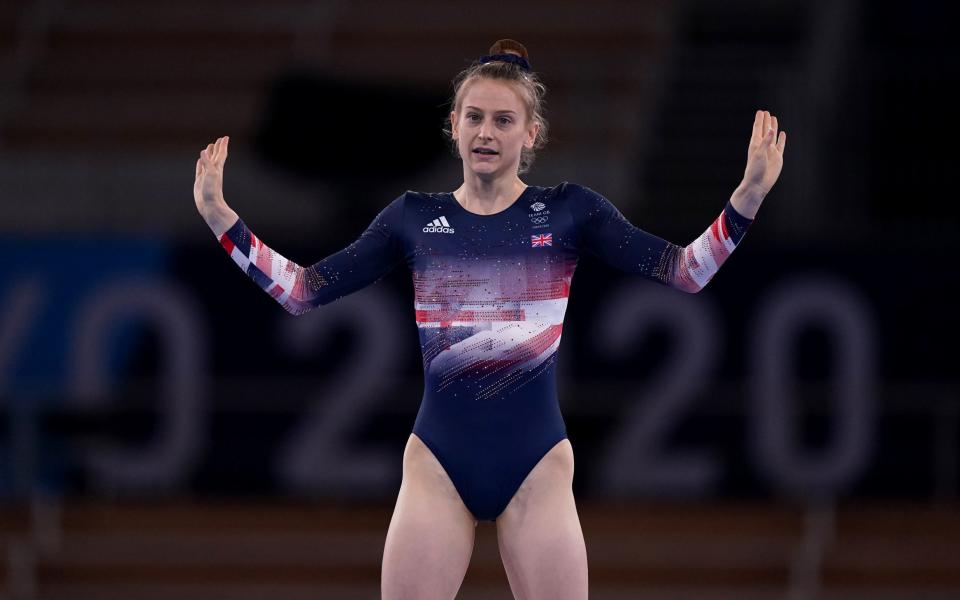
(415, 199)
(423, 196)
(423, 205)
(412, 200)
(568, 190)
(577, 198)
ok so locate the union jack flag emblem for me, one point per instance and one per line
(545, 239)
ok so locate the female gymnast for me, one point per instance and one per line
(492, 264)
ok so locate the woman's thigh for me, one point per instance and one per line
(431, 534)
(541, 542)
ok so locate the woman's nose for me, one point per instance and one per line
(485, 129)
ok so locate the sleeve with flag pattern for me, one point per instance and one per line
(301, 288)
(606, 233)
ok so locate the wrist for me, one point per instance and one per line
(220, 218)
(747, 198)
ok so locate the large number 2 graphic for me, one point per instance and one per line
(634, 459)
(317, 456)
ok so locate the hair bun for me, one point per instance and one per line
(509, 47)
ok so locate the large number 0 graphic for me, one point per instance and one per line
(785, 313)
(165, 461)
(635, 460)
(318, 456)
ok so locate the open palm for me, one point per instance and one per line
(208, 188)
(765, 153)
(208, 185)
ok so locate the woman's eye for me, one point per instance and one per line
(504, 120)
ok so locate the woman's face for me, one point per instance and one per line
(493, 116)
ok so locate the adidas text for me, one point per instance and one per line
(435, 229)
(438, 225)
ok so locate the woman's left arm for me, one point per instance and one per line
(606, 233)
(691, 268)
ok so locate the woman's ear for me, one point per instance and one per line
(453, 124)
(532, 135)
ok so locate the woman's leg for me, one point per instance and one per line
(431, 535)
(541, 542)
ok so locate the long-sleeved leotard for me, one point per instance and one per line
(490, 295)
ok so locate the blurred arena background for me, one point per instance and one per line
(167, 430)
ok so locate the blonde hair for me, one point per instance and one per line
(533, 92)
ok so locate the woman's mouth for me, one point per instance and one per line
(485, 152)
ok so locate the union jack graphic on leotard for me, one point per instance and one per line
(545, 239)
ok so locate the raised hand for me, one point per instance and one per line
(208, 187)
(765, 153)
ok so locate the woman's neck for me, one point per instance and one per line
(486, 197)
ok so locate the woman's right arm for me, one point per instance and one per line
(298, 289)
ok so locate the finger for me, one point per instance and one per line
(216, 149)
(226, 146)
(782, 142)
(775, 127)
(766, 122)
(199, 167)
(757, 124)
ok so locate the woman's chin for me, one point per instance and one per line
(487, 174)
(486, 169)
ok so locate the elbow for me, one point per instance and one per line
(297, 310)
(688, 286)
(297, 306)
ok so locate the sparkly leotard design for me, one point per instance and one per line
(490, 295)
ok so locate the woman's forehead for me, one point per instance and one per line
(493, 96)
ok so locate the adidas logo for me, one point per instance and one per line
(438, 226)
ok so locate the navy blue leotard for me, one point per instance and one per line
(490, 295)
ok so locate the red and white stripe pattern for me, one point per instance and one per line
(509, 315)
(498, 357)
(286, 278)
(701, 259)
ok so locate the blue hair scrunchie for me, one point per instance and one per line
(510, 58)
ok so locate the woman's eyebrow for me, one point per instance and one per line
(496, 111)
